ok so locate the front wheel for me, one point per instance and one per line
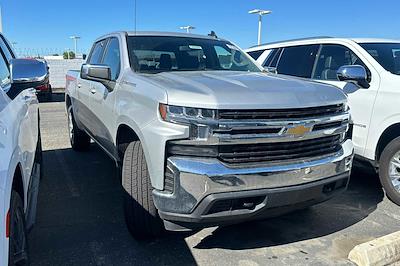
(140, 213)
(389, 170)
(18, 247)
(79, 139)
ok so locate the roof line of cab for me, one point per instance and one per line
(158, 34)
(317, 40)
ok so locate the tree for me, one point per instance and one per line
(69, 55)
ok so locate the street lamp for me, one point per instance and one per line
(75, 38)
(187, 28)
(260, 13)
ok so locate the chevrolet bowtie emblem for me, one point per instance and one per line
(299, 130)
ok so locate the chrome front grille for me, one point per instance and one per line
(256, 136)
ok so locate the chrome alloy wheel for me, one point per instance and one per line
(394, 171)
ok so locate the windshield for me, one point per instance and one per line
(387, 55)
(155, 54)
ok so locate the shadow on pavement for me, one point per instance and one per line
(80, 218)
(56, 97)
(351, 207)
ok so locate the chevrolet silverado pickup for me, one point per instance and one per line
(202, 135)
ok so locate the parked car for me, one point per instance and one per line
(20, 152)
(202, 135)
(373, 67)
(45, 91)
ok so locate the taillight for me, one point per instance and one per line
(8, 224)
(44, 87)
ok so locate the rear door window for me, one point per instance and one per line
(298, 60)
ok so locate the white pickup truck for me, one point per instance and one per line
(373, 66)
(202, 135)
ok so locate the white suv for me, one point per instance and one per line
(374, 67)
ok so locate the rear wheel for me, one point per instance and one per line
(18, 247)
(78, 138)
(140, 213)
(389, 170)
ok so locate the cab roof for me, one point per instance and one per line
(316, 40)
(160, 33)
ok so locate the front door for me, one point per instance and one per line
(361, 101)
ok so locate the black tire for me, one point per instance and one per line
(141, 215)
(18, 248)
(391, 151)
(80, 141)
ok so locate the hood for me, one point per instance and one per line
(243, 90)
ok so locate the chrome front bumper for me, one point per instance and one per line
(196, 179)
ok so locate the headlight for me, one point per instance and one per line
(200, 121)
(187, 115)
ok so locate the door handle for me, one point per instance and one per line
(93, 91)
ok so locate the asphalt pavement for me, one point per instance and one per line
(80, 218)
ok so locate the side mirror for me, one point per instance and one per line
(272, 70)
(355, 74)
(100, 73)
(27, 73)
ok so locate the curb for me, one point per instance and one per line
(381, 251)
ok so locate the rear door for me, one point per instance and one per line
(103, 97)
(85, 90)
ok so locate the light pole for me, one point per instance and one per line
(75, 38)
(187, 28)
(260, 13)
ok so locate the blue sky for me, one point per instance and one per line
(47, 24)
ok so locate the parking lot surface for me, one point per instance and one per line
(80, 218)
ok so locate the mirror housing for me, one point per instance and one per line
(27, 73)
(272, 70)
(354, 74)
(100, 73)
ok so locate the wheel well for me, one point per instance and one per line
(125, 135)
(18, 184)
(388, 135)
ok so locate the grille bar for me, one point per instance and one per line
(281, 113)
(279, 151)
